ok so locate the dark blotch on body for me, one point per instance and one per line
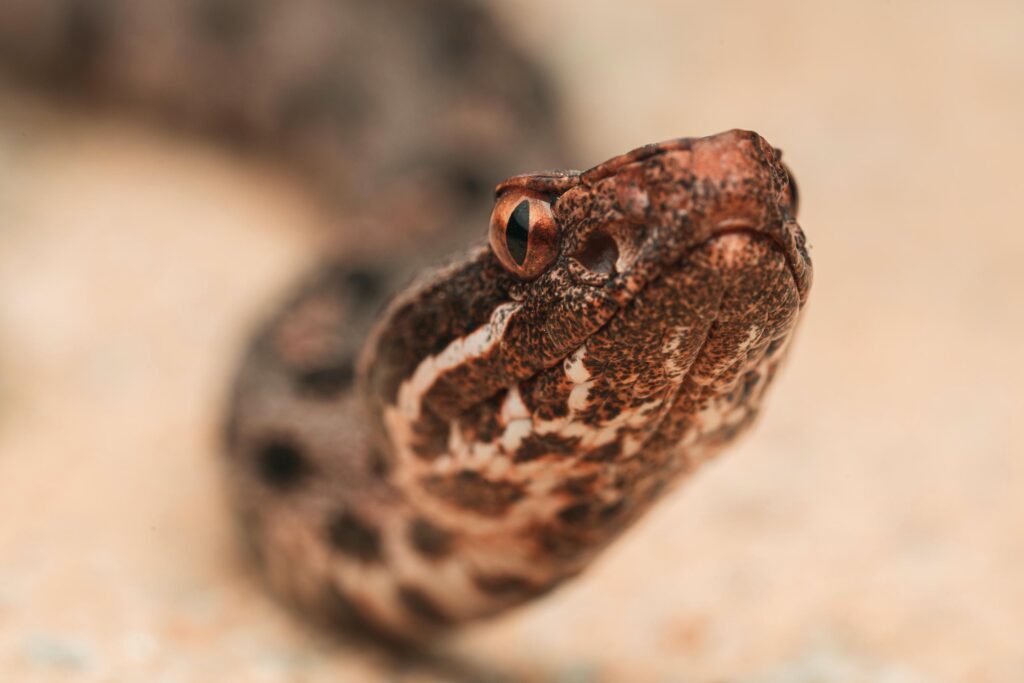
(503, 584)
(561, 542)
(574, 514)
(578, 486)
(749, 381)
(480, 422)
(353, 536)
(430, 439)
(538, 445)
(591, 514)
(430, 540)
(606, 453)
(422, 606)
(365, 286)
(343, 612)
(377, 463)
(281, 464)
(470, 491)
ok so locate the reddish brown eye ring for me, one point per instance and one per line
(523, 233)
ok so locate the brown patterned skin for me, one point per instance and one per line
(501, 432)
(498, 432)
(400, 114)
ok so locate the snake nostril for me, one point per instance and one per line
(599, 253)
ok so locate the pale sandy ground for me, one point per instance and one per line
(871, 530)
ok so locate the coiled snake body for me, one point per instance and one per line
(513, 415)
(515, 410)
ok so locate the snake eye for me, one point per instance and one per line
(524, 235)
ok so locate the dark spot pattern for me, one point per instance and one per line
(353, 536)
(560, 542)
(480, 424)
(376, 462)
(281, 463)
(713, 291)
(343, 612)
(536, 446)
(422, 606)
(471, 491)
(579, 486)
(430, 540)
(591, 513)
(365, 285)
(574, 514)
(605, 452)
(747, 385)
(503, 584)
(430, 436)
(546, 395)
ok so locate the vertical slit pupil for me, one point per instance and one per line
(517, 232)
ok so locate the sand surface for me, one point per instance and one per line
(872, 528)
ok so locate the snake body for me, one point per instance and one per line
(511, 412)
(501, 430)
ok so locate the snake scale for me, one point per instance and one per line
(405, 457)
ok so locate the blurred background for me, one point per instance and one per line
(871, 528)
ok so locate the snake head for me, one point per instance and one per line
(667, 196)
(614, 307)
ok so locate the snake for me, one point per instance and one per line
(408, 455)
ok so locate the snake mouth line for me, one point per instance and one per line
(654, 271)
(595, 264)
(787, 251)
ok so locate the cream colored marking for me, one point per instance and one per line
(465, 349)
(513, 407)
(710, 418)
(578, 396)
(753, 335)
(676, 363)
(375, 588)
(592, 436)
(443, 464)
(631, 444)
(499, 464)
(514, 433)
(575, 371)
(449, 581)
(399, 419)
